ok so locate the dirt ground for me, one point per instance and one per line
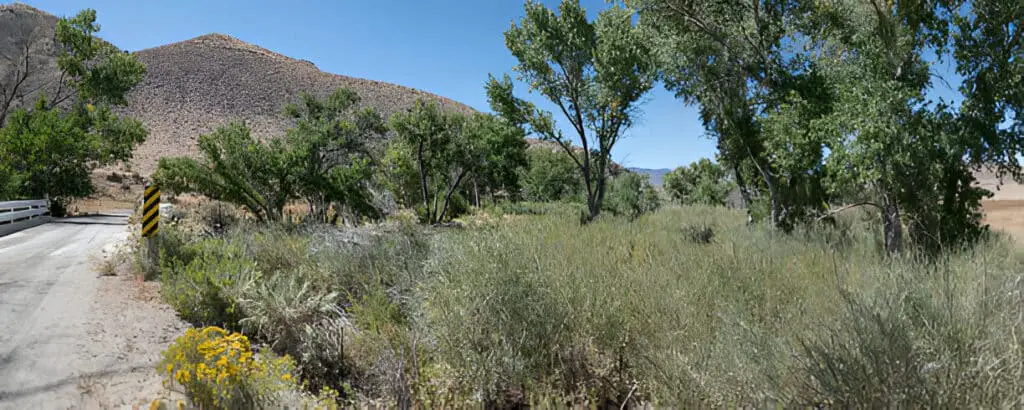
(135, 326)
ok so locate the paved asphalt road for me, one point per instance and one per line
(47, 284)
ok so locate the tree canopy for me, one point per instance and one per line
(51, 147)
(325, 160)
(596, 74)
(825, 102)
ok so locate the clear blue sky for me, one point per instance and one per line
(446, 47)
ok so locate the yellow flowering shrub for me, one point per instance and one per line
(218, 369)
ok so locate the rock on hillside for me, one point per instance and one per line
(194, 86)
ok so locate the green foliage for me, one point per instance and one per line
(205, 289)
(236, 168)
(503, 149)
(631, 194)
(95, 69)
(551, 176)
(701, 183)
(595, 72)
(331, 149)
(820, 103)
(51, 148)
(324, 159)
(438, 151)
(400, 175)
(47, 152)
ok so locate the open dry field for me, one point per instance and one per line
(1005, 210)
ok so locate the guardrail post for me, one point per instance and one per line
(151, 224)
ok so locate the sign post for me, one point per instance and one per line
(151, 222)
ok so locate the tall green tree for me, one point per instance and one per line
(447, 149)
(731, 58)
(989, 52)
(595, 73)
(909, 155)
(826, 100)
(431, 136)
(331, 147)
(50, 148)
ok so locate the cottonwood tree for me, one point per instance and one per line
(324, 159)
(989, 51)
(595, 73)
(779, 82)
(446, 149)
(910, 155)
(431, 136)
(331, 147)
(235, 168)
(51, 147)
(729, 57)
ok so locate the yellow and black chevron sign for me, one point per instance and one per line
(151, 211)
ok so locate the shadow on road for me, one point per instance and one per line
(52, 386)
(100, 219)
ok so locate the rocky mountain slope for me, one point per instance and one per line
(194, 86)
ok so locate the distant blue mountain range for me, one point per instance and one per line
(655, 174)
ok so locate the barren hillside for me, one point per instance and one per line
(192, 87)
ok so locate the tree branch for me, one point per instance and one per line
(850, 206)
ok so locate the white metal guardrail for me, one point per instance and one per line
(18, 215)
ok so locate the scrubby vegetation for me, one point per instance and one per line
(533, 307)
(859, 275)
(597, 293)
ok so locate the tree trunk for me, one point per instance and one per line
(432, 211)
(476, 194)
(448, 196)
(892, 226)
(423, 177)
(741, 185)
(602, 183)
